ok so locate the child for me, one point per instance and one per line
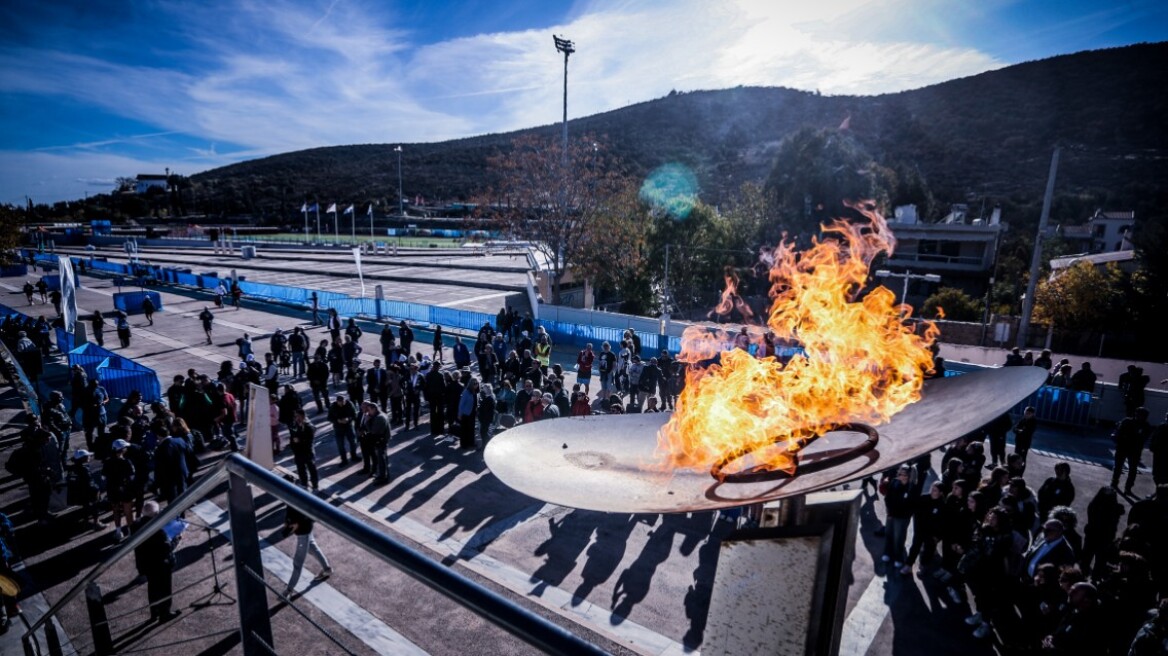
(82, 486)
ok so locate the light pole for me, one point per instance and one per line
(567, 47)
(400, 212)
(907, 275)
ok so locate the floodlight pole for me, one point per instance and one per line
(400, 212)
(567, 47)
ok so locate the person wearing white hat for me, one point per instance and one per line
(119, 487)
(81, 488)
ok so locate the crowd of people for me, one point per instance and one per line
(1037, 574)
(1033, 575)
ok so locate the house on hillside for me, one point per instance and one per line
(960, 248)
(147, 181)
(1104, 232)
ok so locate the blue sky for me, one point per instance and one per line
(94, 90)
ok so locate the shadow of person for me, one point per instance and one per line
(563, 547)
(604, 555)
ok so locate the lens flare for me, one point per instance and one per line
(862, 360)
(671, 189)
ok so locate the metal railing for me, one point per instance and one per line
(254, 621)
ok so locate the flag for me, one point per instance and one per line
(332, 209)
(370, 212)
(847, 123)
(68, 293)
(357, 258)
(349, 210)
(313, 208)
(304, 207)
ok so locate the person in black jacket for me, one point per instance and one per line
(155, 561)
(318, 380)
(927, 527)
(900, 498)
(435, 392)
(1057, 490)
(1130, 436)
(1024, 431)
(301, 434)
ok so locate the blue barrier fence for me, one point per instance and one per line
(1057, 405)
(65, 341)
(131, 302)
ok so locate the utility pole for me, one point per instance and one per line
(1036, 257)
(567, 47)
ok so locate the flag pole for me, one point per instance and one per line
(336, 226)
(304, 208)
(317, 221)
(353, 214)
(371, 221)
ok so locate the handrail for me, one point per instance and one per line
(25, 388)
(200, 489)
(492, 606)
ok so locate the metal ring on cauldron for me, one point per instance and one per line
(830, 459)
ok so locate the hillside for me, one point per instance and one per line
(985, 137)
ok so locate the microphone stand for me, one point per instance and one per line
(218, 596)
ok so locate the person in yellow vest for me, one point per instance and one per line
(543, 353)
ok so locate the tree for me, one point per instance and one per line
(815, 172)
(954, 303)
(555, 200)
(614, 252)
(1084, 297)
(10, 233)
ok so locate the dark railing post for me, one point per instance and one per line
(254, 623)
(103, 642)
(52, 639)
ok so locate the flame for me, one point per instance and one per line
(731, 300)
(862, 360)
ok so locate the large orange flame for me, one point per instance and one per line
(863, 361)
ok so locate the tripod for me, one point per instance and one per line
(217, 596)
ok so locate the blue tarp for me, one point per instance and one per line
(53, 281)
(14, 270)
(131, 302)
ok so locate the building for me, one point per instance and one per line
(959, 248)
(1104, 232)
(147, 181)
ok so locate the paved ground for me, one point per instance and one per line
(462, 281)
(634, 583)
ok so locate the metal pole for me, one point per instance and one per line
(566, 53)
(904, 294)
(665, 285)
(318, 221)
(255, 625)
(1036, 257)
(400, 211)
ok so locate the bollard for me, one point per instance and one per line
(103, 642)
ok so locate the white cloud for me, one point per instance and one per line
(270, 77)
